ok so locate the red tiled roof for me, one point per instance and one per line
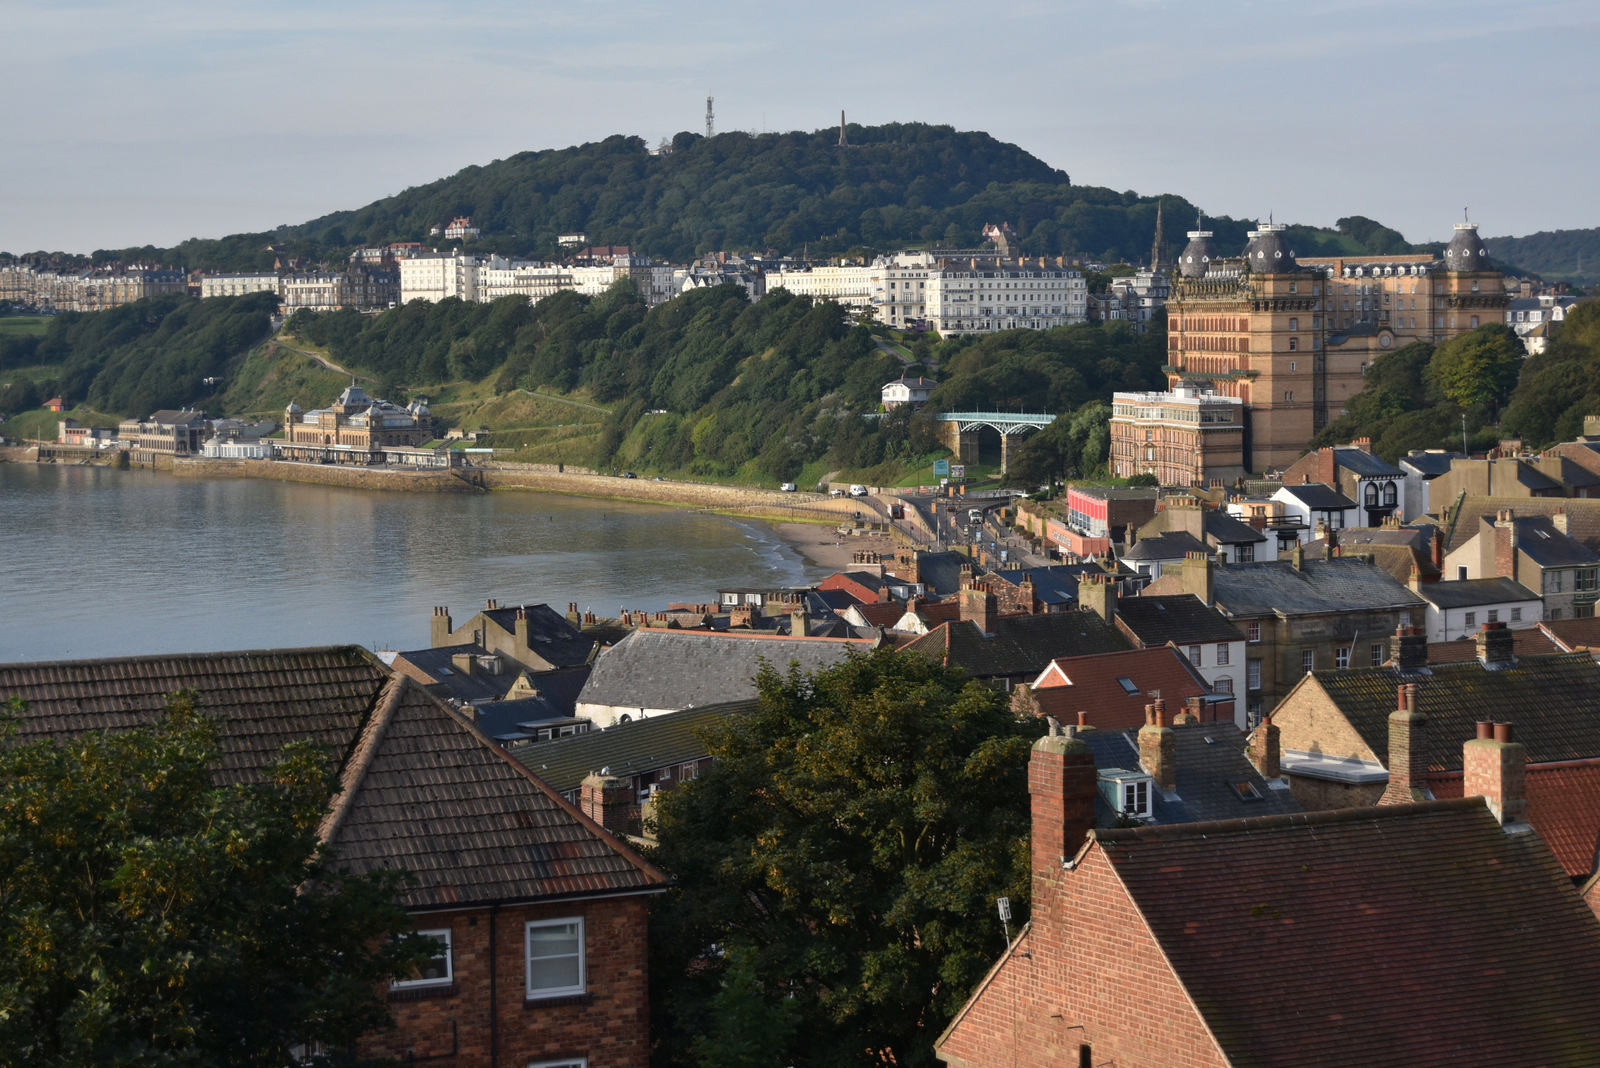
(1574, 633)
(1563, 806)
(881, 614)
(1090, 683)
(1531, 642)
(1414, 934)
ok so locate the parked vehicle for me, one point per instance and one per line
(858, 490)
(975, 516)
(629, 474)
(836, 492)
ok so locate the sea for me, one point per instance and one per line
(96, 562)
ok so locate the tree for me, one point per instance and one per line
(851, 839)
(149, 916)
(1480, 367)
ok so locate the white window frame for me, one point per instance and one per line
(569, 1062)
(442, 935)
(1136, 798)
(527, 961)
(1222, 654)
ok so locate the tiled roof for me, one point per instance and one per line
(1467, 593)
(1563, 807)
(627, 749)
(1173, 545)
(421, 789)
(882, 613)
(1213, 770)
(1319, 497)
(436, 668)
(1583, 516)
(1431, 464)
(1529, 642)
(1546, 546)
(1412, 934)
(1224, 529)
(1574, 633)
(1094, 685)
(653, 668)
(1056, 584)
(1181, 618)
(1021, 645)
(1554, 702)
(1274, 587)
(941, 572)
(549, 634)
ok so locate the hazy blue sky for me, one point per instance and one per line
(139, 122)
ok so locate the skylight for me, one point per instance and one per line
(1127, 686)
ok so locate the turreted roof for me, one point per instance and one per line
(294, 409)
(1466, 251)
(1268, 251)
(1197, 254)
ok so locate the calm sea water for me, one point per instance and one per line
(96, 562)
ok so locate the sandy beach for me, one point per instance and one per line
(822, 546)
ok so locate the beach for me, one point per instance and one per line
(823, 546)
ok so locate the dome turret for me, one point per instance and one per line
(1466, 251)
(1197, 254)
(1268, 251)
(294, 409)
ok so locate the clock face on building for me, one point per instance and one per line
(1384, 340)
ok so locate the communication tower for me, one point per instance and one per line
(711, 122)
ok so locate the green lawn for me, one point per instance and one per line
(23, 325)
(40, 425)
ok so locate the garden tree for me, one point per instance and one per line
(751, 1026)
(850, 840)
(151, 917)
(1076, 445)
(1479, 367)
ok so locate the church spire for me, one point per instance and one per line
(1158, 247)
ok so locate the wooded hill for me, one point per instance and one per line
(1572, 255)
(895, 185)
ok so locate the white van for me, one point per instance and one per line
(975, 516)
(858, 490)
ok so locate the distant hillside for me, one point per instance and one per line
(1554, 255)
(895, 185)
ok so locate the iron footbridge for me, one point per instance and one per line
(1007, 423)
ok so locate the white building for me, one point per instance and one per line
(1140, 295)
(907, 391)
(1533, 317)
(976, 296)
(1314, 503)
(237, 285)
(850, 286)
(1457, 608)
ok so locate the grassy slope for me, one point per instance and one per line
(23, 325)
(268, 377)
(40, 424)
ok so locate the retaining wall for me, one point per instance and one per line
(350, 476)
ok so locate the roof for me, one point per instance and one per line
(1181, 618)
(436, 668)
(626, 749)
(1396, 561)
(176, 417)
(1225, 529)
(1274, 587)
(421, 789)
(1213, 770)
(1318, 497)
(1364, 464)
(653, 668)
(1056, 584)
(1547, 546)
(1094, 684)
(550, 635)
(1554, 701)
(1529, 642)
(1432, 463)
(941, 572)
(881, 613)
(1173, 545)
(1469, 593)
(1574, 633)
(1563, 807)
(1295, 936)
(1021, 645)
(1583, 516)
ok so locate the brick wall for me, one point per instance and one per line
(609, 1024)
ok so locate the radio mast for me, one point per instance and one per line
(711, 122)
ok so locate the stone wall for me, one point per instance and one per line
(352, 476)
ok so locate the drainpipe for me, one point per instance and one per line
(494, 999)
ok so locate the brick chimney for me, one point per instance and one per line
(608, 801)
(1505, 544)
(1299, 557)
(1408, 752)
(978, 606)
(1192, 709)
(1559, 519)
(1098, 594)
(1158, 747)
(1264, 750)
(799, 623)
(1495, 768)
(1364, 444)
(1198, 576)
(440, 628)
(572, 612)
(1411, 648)
(1438, 550)
(1495, 646)
(1061, 784)
(524, 644)
(740, 615)
(462, 663)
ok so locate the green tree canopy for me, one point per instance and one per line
(851, 839)
(151, 917)
(1480, 367)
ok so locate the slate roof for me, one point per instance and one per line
(421, 789)
(436, 668)
(1274, 587)
(627, 749)
(1583, 516)
(1553, 701)
(1364, 464)
(1182, 618)
(1468, 593)
(1021, 645)
(1212, 771)
(549, 634)
(1563, 807)
(1529, 642)
(1173, 545)
(1224, 529)
(1318, 497)
(1396, 561)
(1546, 546)
(1056, 584)
(941, 572)
(1411, 934)
(1429, 464)
(653, 668)
(1095, 686)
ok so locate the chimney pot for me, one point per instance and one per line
(1496, 769)
(1502, 733)
(1485, 730)
(1083, 718)
(1408, 753)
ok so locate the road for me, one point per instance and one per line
(323, 360)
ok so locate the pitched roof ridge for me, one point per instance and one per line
(213, 655)
(983, 984)
(773, 636)
(1169, 832)
(366, 747)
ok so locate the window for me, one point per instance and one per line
(1244, 554)
(436, 970)
(1378, 654)
(581, 1062)
(1223, 685)
(1293, 364)
(686, 772)
(1516, 615)
(1222, 653)
(555, 958)
(1341, 657)
(1194, 655)
(1583, 611)
(1390, 496)
(1127, 685)
(1461, 572)
(1494, 615)
(1585, 577)
(1294, 346)
(1253, 714)
(1308, 659)
(1552, 582)
(1405, 619)
(1252, 674)
(1136, 798)
(1253, 630)
(1294, 324)
(1472, 619)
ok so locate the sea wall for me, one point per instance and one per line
(351, 476)
(736, 500)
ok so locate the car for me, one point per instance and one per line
(629, 474)
(858, 490)
(975, 515)
(787, 487)
(836, 492)
(658, 478)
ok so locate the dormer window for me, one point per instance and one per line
(1127, 792)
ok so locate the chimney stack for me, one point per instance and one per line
(440, 628)
(1505, 544)
(1495, 647)
(1264, 751)
(1192, 708)
(800, 623)
(1199, 572)
(1411, 649)
(1408, 752)
(1062, 783)
(608, 801)
(524, 644)
(978, 606)
(1299, 557)
(1559, 519)
(1158, 747)
(462, 663)
(1097, 594)
(1495, 768)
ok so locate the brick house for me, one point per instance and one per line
(1537, 551)
(1112, 689)
(540, 915)
(1267, 941)
(1008, 651)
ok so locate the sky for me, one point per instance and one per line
(148, 122)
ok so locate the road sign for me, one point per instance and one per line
(958, 470)
(941, 468)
